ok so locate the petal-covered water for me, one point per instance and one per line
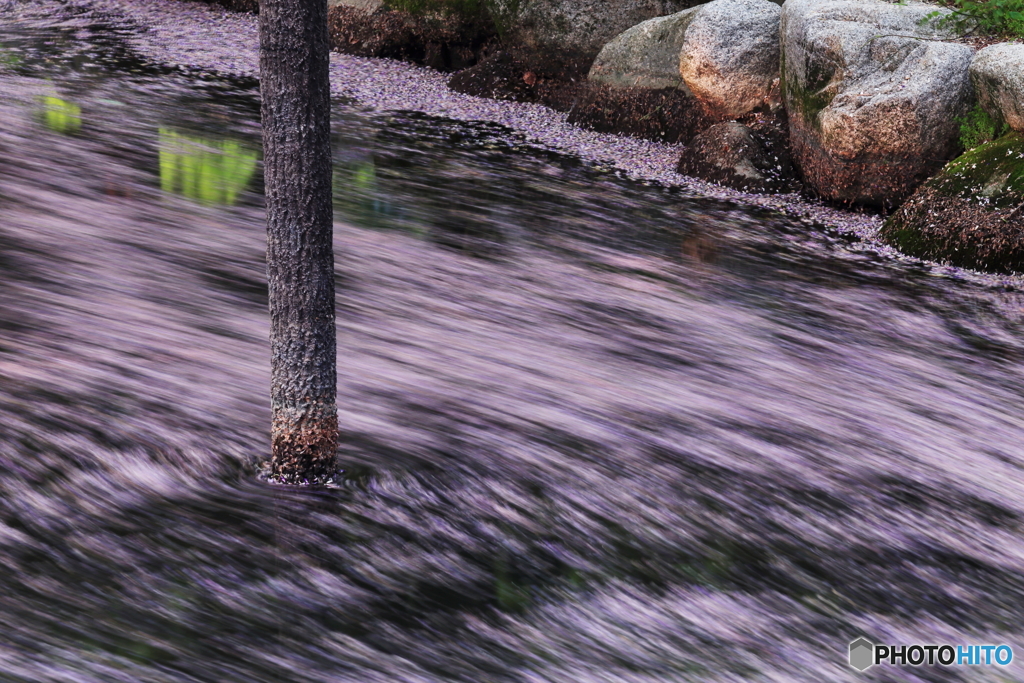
(593, 430)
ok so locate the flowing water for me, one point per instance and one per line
(593, 430)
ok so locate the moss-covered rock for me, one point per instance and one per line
(972, 213)
(645, 55)
(572, 32)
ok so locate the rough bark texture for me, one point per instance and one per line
(294, 62)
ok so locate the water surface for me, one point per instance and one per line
(593, 430)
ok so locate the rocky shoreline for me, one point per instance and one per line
(202, 38)
(857, 102)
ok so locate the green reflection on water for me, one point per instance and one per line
(60, 115)
(211, 172)
(8, 58)
(360, 198)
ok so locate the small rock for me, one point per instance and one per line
(734, 155)
(502, 75)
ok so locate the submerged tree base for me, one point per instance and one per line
(304, 447)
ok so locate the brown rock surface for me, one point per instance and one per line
(443, 42)
(669, 114)
(737, 156)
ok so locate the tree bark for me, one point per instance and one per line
(296, 108)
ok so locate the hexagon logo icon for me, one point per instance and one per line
(862, 654)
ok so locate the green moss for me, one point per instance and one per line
(907, 236)
(992, 17)
(511, 596)
(807, 101)
(8, 58)
(977, 127)
(992, 173)
(811, 103)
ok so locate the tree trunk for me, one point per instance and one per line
(296, 109)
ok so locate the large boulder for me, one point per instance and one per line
(725, 52)
(646, 55)
(971, 213)
(873, 91)
(730, 55)
(997, 73)
(572, 32)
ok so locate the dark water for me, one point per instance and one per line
(593, 430)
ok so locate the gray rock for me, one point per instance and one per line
(578, 29)
(367, 6)
(997, 73)
(872, 95)
(730, 55)
(646, 55)
(734, 155)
